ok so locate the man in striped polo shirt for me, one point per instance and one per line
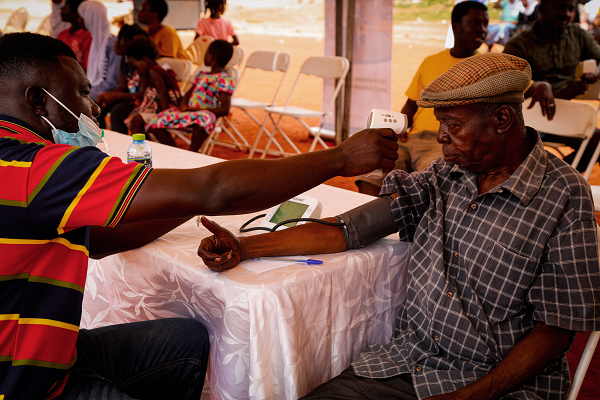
(60, 204)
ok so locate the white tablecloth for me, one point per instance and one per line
(275, 335)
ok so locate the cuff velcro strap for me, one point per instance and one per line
(368, 223)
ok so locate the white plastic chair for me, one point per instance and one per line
(182, 68)
(572, 119)
(17, 21)
(236, 58)
(326, 67)
(44, 28)
(197, 49)
(264, 60)
(584, 363)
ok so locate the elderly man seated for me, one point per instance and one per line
(504, 261)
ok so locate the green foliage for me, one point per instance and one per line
(429, 10)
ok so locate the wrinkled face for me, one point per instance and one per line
(69, 85)
(467, 138)
(555, 15)
(472, 30)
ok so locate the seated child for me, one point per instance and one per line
(160, 87)
(208, 99)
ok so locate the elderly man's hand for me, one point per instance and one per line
(541, 92)
(221, 251)
(368, 150)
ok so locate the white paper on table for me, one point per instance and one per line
(260, 266)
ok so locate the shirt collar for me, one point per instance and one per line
(14, 127)
(525, 181)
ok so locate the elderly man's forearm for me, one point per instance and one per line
(530, 356)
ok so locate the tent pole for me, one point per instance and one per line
(349, 56)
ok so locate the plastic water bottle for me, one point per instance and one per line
(139, 151)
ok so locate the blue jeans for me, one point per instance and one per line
(161, 359)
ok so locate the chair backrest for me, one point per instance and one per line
(17, 21)
(328, 67)
(572, 119)
(182, 68)
(44, 28)
(197, 49)
(236, 58)
(269, 61)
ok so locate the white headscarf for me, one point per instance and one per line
(95, 18)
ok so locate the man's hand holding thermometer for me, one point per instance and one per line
(379, 118)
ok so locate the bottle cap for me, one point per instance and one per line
(139, 136)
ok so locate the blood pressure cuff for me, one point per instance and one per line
(368, 223)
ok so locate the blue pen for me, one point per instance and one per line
(289, 260)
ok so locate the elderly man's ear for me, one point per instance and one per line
(36, 100)
(503, 118)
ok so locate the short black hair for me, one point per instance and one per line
(462, 9)
(142, 47)
(22, 53)
(222, 50)
(128, 32)
(160, 7)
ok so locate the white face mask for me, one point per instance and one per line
(89, 133)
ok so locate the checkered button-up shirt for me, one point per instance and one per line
(485, 268)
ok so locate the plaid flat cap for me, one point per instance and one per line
(485, 78)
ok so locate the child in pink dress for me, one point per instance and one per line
(198, 110)
(215, 26)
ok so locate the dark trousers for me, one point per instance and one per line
(162, 359)
(349, 386)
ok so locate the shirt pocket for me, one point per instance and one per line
(500, 280)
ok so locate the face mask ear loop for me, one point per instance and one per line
(58, 101)
(49, 123)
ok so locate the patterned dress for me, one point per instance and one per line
(205, 95)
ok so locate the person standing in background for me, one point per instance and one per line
(500, 33)
(57, 25)
(103, 63)
(214, 25)
(151, 14)
(76, 37)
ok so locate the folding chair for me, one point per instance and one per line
(326, 67)
(197, 49)
(213, 138)
(582, 366)
(572, 119)
(44, 27)
(17, 21)
(182, 68)
(264, 60)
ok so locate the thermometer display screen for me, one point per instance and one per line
(288, 210)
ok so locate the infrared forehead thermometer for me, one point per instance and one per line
(379, 118)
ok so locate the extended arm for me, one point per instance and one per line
(530, 356)
(161, 88)
(243, 186)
